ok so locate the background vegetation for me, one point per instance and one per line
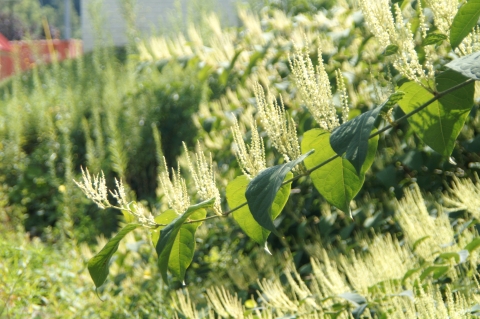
(401, 255)
(23, 19)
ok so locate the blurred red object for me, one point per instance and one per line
(23, 55)
(4, 44)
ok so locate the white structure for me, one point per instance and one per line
(105, 20)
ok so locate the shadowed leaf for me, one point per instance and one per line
(236, 196)
(262, 190)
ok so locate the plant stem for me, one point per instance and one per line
(386, 128)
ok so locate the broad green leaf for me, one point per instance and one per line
(418, 242)
(337, 181)
(262, 190)
(409, 273)
(447, 256)
(439, 124)
(98, 265)
(352, 137)
(464, 21)
(468, 65)
(434, 38)
(437, 272)
(474, 244)
(164, 218)
(236, 196)
(183, 249)
(166, 243)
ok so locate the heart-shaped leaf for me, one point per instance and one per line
(98, 265)
(439, 124)
(464, 21)
(337, 181)
(183, 247)
(262, 190)
(236, 196)
(168, 235)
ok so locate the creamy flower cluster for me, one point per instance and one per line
(204, 177)
(96, 190)
(250, 157)
(279, 127)
(315, 89)
(390, 31)
(443, 13)
(174, 189)
(470, 44)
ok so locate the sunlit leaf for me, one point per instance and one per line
(168, 235)
(474, 244)
(337, 181)
(436, 271)
(439, 124)
(183, 248)
(98, 265)
(464, 21)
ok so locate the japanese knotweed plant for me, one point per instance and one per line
(336, 155)
(421, 276)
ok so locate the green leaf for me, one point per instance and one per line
(409, 273)
(352, 137)
(183, 248)
(236, 196)
(434, 38)
(437, 272)
(419, 241)
(262, 190)
(447, 256)
(439, 124)
(390, 50)
(464, 21)
(164, 218)
(166, 244)
(474, 244)
(337, 181)
(98, 265)
(468, 65)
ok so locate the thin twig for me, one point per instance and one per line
(386, 128)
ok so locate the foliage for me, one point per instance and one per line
(371, 265)
(24, 19)
(430, 102)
